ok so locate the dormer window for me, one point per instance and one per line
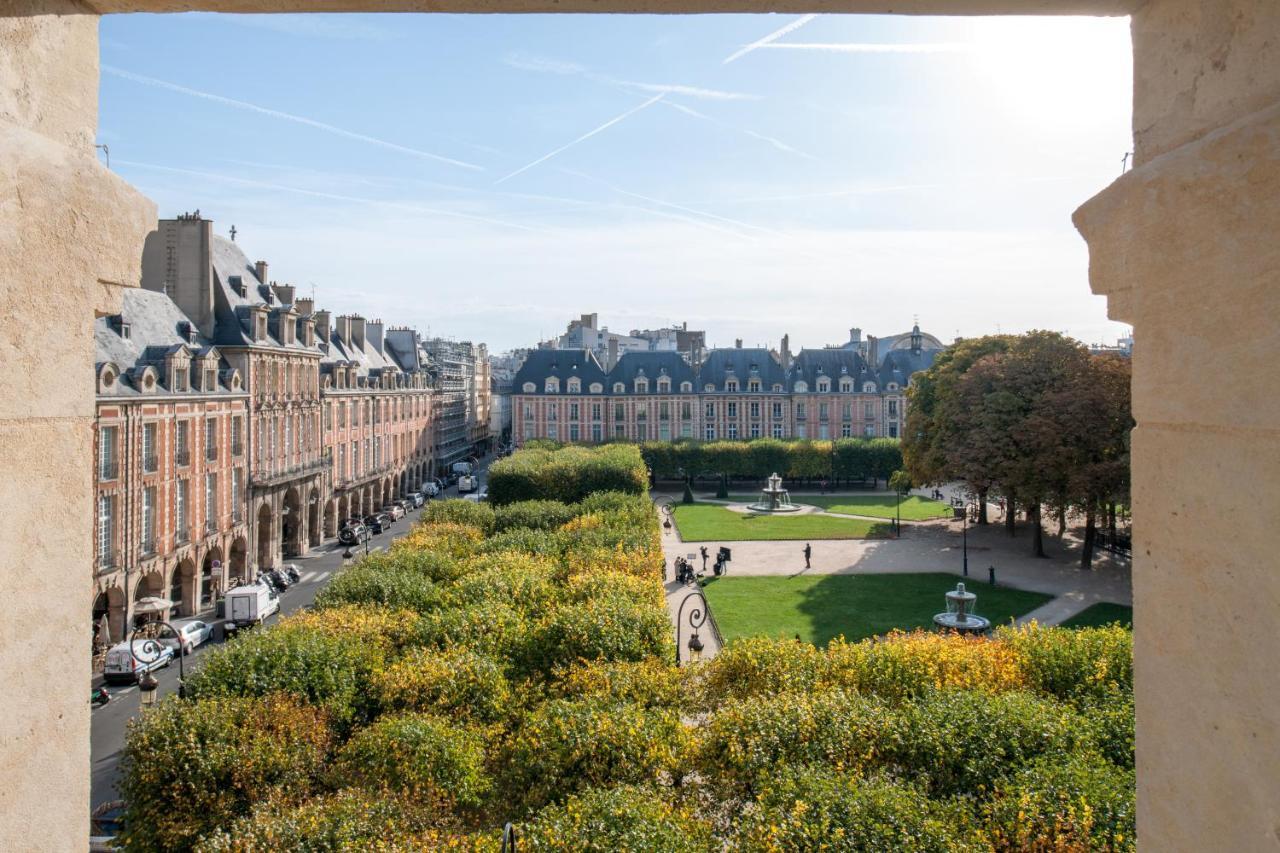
(892, 386)
(802, 387)
(642, 386)
(596, 388)
(664, 386)
(686, 387)
(574, 385)
(709, 388)
(731, 385)
(777, 387)
(868, 387)
(846, 385)
(753, 386)
(530, 388)
(552, 386)
(619, 388)
(210, 379)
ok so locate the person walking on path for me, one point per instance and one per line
(808, 552)
(704, 558)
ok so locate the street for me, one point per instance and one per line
(109, 722)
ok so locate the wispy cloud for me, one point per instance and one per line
(769, 39)
(776, 143)
(608, 124)
(543, 65)
(275, 187)
(303, 120)
(867, 47)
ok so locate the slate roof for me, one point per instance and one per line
(811, 364)
(156, 327)
(562, 364)
(651, 365)
(743, 365)
(899, 364)
(232, 311)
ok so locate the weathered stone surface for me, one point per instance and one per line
(900, 7)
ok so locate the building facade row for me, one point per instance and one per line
(735, 393)
(237, 426)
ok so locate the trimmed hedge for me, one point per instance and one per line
(568, 474)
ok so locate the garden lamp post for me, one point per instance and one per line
(964, 538)
(697, 618)
(147, 683)
(147, 688)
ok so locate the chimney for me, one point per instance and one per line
(322, 327)
(873, 352)
(737, 343)
(373, 329)
(344, 330)
(357, 332)
(285, 293)
(855, 335)
(786, 352)
(305, 307)
(260, 270)
(613, 354)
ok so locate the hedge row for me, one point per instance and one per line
(568, 474)
(515, 664)
(794, 459)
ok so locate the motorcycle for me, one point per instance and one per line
(294, 574)
(99, 697)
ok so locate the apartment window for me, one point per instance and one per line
(182, 443)
(106, 528)
(686, 430)
(150, 462)
(664, 431)
(211, 439)
(777, 410)
(237, 489)
(754, 409)
(211, 500)
(686, 411)
(597, 432)
(664, 411)
(642, 431)
(573, 411)
(800, 413)
(755, 430)
(710, 410)
(893, 430)
(107, 453)
(869, 430)
(710, 432)
(733, 431)
(824, 431)
(777, 430)
(355, 458)
(619, 411)
(595, 411)
(149, 520)
(553, 431)
(846, 430)
(733, 410)
(868, 410)
(180, 499)
(619, 431)
(528, 412)
(342, 415)
(822, 411)
(573, 432)
(288, 436)
(802, 431)
(893, 408)
(341, 473)
(847, 412)
(237, 436)
(553, 413)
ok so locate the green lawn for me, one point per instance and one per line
(822, 607)
(707, 522)
(1102, 613)
(914, 507)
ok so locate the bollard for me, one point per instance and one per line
(991, 572)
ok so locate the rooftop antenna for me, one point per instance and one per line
(233, 233)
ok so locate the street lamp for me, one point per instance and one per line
(697, 618)
(964, 537)
(147, 684)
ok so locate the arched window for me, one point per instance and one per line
(892, 386)
(596, 388)
(619, 388)
(686, 387)
(801, 387)
(529, 387)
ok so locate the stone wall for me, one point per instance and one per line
(1184, 246)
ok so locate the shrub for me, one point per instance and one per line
(391, 631)
(568, 474)
(760, 666)
(350, 819)
(611, 584)
(543, 543)
(439, 567)
(1070, 803)
(1074, 664)
(491, 628)
(906, 665)
(625, 818)
(610, 628)
(746, 741)
(457, 684)
(535, 515)
(458, 511)
(456, 539)
(523, 581)
(315, 665)
(961, 742)
(821, 809)
(1111, 722)
(193, 766)
(373, 582)
(420, 755)
(567, 745)
(652, 683)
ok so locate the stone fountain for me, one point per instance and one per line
(773, 498)
(960, 616)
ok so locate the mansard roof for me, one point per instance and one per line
(232, 310)
(652, 366)
(899, 364)
(812, 364)
(562, 364)
(741, 364)
(157, 328)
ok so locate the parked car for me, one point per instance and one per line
(477, 497)
(394, 510)
(377, 522)
(352, 534)
(105, 823)
(124, 666)
(416, 500)
(249, 605)
(191, 633)
(431, 489)
(468, 483)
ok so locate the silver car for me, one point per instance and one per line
(192, 633)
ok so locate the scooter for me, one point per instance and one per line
(99, 697)
(292, 571)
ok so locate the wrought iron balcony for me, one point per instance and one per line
(237, 448)
(150, 464)
(108, 470)
(211, 453)
(182, 457)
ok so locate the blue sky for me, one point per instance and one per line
(491, 177)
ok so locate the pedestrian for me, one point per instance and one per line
(808, 552)
(704, 558)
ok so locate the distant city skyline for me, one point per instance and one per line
(492, 177)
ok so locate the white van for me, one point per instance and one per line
(249, 605)
(124, 667)
(468, 484)
(462, 468)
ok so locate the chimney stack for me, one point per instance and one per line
(343, 328)
(260, 270)
(737, 343)
(373, 330)
(285, 293)
(305, 307)
(873, 352)
(855, 335)
(786, 352)
(322, 327)
(357, 332)
(613, 354)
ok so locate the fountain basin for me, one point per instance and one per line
(773, 498)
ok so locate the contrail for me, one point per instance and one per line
(776, 143)
(319, 125)
(769, 39)
(864, 47)
(336, 196)
(610, 123)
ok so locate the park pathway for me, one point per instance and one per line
(677, 593)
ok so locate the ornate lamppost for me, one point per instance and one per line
(697, 618)
(147, 683)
